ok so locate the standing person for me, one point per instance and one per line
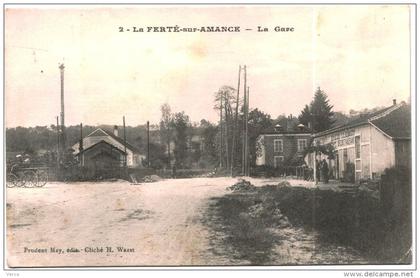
(325, 171)
(318, 170)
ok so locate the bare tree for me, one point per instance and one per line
(225, 100)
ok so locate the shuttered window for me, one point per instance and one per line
(278, 145)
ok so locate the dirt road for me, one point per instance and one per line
(151, 223)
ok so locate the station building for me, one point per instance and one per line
(369, 144)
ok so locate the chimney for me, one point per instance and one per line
(289, 123)
(394, 101)
(115, 130)
(277, 128)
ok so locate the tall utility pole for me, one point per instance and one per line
(245, 125)
(125, 144)
(81, 138)
(235, 130)
(225, 95)
(81, 145)
(63, 133)
(58, 143)
(221, 133)
(246, 137)
(148, 145)
(315, 152)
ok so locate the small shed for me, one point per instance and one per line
(102, 155)
(106, 149)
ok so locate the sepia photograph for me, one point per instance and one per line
(209, 135)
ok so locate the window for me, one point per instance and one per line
(301, 145)
(278, 161)
(345, 156)
(278, 145)
(357, 146)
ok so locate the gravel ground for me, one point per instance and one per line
(149, 224)
(158, 223)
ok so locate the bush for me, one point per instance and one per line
(248, 235)
(352, 219)
(395, 196)
(242, 186)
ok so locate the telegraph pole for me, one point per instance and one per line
(226, 130)
(125, 143)
(245, 125)
(81, 145)
(235, 131)
(246, 137)
(63, 134)
(58, 144)
(221, 133)
(81, 138)
(148, 145)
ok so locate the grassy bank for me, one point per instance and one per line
(251, 219)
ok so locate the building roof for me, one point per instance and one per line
(121, 140)
(285, 133)
(396, 124)
(394, 121)
(295, 130)
(117, 138)
(98, 143)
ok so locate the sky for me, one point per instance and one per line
(359, 55)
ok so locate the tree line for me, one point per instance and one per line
(177, 142)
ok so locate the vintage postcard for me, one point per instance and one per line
(192, 135)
